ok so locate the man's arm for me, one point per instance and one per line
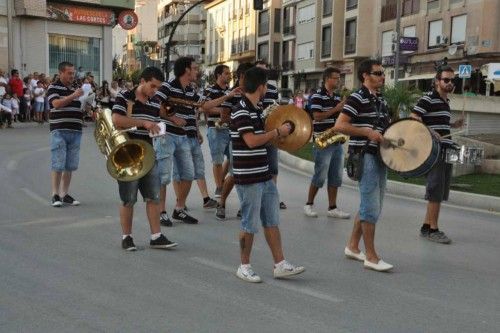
(253, 140)
(343, 125)
(65, 101)
(319, 115)
(208, 105)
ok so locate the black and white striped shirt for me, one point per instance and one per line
(144, 111)
(322, 101)
(250, 165)
(435, 113)
(271, 95)
(173, 88)
(214, 92)
(361, 106)
(69, 117)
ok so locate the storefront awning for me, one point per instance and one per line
(426, 76)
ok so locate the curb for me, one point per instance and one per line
(463, 199)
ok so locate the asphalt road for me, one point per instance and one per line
(63, 270)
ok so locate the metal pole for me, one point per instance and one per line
(174, 26)
(398, 29)
(10, 34)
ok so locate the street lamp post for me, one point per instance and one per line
(397, 49)
(10, 34)
(169, 42)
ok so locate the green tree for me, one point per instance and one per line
(135, 76)
(400, 99)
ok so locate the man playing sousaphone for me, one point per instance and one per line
(145, 116)
(433, 109)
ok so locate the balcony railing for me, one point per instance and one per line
(350, 44)
(288, 65)
(264, 28)
(326, 49)
(233, 47)
(351, 4)
(246, 45)
(290, 30)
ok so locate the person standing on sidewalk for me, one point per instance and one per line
(144, 116)
(256, 190)
(329, 161)
(433, 109)
(364, 117)
(66, 120)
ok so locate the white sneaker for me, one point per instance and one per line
(308, 210)
(352, 255)
(246, 273)
(337, 213)
(286, 269)
(381, 266)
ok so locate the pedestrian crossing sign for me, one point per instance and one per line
(464, 71)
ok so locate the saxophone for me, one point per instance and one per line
(330, 137)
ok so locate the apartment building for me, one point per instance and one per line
(451, 31)
(230, 34)
(269, 34)
(43, 33)
(189, 36)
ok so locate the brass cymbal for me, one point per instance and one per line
(302, 126)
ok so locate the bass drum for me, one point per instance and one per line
(410, 149)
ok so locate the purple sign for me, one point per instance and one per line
(408, 43)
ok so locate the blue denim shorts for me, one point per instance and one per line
(149, 186)
(169, 148)
(272, 155)
(39, 106)
(328, 162)
(372, 188)
(198, 161)
(65, 150)
(218, 141)
(259, 202)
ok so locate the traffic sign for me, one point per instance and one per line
(464, 71)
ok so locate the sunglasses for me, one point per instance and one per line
(377, 73)
(447, 80)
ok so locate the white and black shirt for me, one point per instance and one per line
(322, 101)
(435, 113)
(69, 117)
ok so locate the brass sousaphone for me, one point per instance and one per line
(127, 159)
(298, 119)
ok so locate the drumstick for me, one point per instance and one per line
(448, 135)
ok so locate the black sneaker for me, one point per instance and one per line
(282, 205)
(69, 200)
(181, 216)
(424, 231)
(128, 244)
(165, 220)
(220, 213)
(161, 243)
(238, 215)
(56, 201)
(211, 203)
(438, 236)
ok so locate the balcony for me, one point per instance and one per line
(246, 45)
(350, 45)
(264, 28)
(290, 30)
(288, 65)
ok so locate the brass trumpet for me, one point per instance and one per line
(330, 137)
(174, 101)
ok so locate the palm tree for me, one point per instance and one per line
(400, 99)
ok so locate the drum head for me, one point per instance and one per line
(412, 144)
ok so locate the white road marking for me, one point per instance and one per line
(40, 221)
(43, 148)
(279, 284)
(84, 223)
(35, 196)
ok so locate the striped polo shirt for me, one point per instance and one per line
(69, 117)
(271, 95)
(250, 165)
(435, 113)
(173, 88)
(322, 101)
(361, 106)
(142, 111)
(232, 103)
(211, 93)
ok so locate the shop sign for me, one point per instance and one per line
(346, 69)
(78, 14)
(128, 19)
(391, 60)
(408, 44)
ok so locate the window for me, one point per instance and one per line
(276, 53)
(306, 14)
(432, 4)
(410, 7)
(327, 7)
(410, 31)
(458, 27)
(350, 37)
(326, 41)
(387, 37)
(435, 30)
(80, 51)
(351, 4)
(264, 23)
(263, 51)
(305, 51)
(277, 20)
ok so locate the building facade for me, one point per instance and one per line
(43, 33)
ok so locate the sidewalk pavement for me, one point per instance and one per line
(462, 199)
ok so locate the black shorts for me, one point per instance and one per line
(438, 182)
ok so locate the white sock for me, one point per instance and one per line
(246, 265)
(281, 263)
(155, 236)
(125, 236)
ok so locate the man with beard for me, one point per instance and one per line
(433, 109)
